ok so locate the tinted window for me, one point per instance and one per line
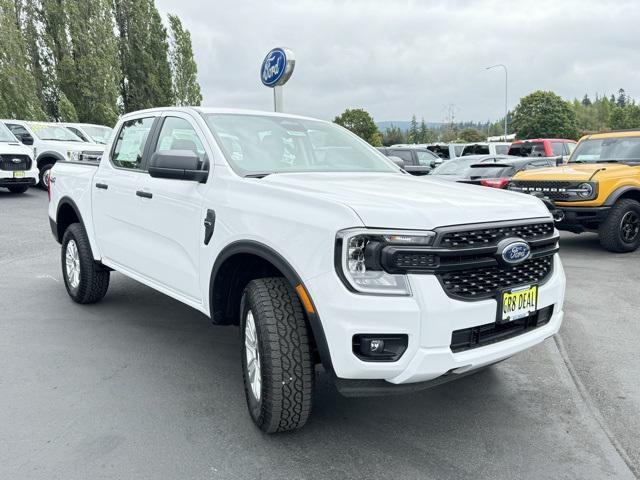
(178, 134)
(17, 130)
(557, 149)
(490, 172)
(403, 154)
(129, 145)
(475, 150)
(528, 149)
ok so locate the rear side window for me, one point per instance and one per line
(130, 142)
(528, 149)
(403, 154)
(557, 148)
(475, 150)
(425, 158)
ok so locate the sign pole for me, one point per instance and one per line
(276, 69)
(278, 99)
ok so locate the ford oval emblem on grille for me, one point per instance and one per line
(512, 251)
(16, 160)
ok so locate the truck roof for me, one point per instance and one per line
(235, 111)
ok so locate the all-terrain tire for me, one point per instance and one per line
(18, 188)
(285, 361)
(92, 280)
(45, 175)
(611, 231)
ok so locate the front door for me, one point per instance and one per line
(173, 216)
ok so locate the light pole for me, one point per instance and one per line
(506, 83)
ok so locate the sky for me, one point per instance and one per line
(397, 58)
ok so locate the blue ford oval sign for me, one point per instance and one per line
(515, 252)
(277, 67)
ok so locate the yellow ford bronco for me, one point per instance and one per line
(598, 190)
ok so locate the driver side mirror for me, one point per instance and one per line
(397, 160)
(25, 139)
(559, 161)
(178, 165)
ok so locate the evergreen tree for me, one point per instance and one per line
(413, 132)
(186, 90)
(586, 101)
(145, 79)
(622, 98)
(423, 132)
(393, 136)
(18, 94)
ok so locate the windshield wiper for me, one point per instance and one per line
(60, 140)
(257, 175)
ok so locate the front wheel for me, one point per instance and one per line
(45, 175)
(276, 356)
(620, 232)
(86, 280)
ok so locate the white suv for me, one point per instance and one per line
(52, 142)
(318, 246)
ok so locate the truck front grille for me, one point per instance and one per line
(485, 282)
(8, 162)
(555, 190)
(483, 237)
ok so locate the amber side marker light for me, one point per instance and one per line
(304, 298)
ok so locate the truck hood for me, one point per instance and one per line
(407, 202)
(577, 172)
(14, 149)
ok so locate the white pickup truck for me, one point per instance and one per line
(319, 247)
(18, 171)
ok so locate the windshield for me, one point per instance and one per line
(5, 134)
(48, 131)
(98, 134)
(623, 149)
(528, 149)
(259, 145)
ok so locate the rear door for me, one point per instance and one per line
(172, 213)
(117, 206)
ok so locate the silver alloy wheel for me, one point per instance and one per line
(46, 176)
(72, 261)
(254, 370)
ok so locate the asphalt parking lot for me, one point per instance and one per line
(141, 386)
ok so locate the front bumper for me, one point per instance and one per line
(428, 317)
(7, 178)
(579, 219)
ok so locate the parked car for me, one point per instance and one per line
(415, 160)
(543, 147)
(446, 151)
(453, 170)
(499, 174)
(17, 168)
(51, 142)
(486, 148)
(320, 249)
(597, 191)
(90, 133)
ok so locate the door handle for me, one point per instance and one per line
(144, 194)
(103, 186)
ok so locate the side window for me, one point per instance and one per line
(178, 134)
(403, 154)
(424, 158)
(569, 147)
(130, 142)
(557, 148)
(17, 130)
(78, 133)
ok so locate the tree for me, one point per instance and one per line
(393, 136)
(471, 135)
(93, 85)
(544, 114)
(622, 98)
(186, 90)
(145, 79)
(18, 94)
(413, 132)
(586, 101)
(358, 121)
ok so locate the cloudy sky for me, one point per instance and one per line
(396, 58)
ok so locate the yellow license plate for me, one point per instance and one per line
(519, 303)
(18, 174)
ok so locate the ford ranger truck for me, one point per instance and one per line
(17, 169)
(316, 245)
(597, 191)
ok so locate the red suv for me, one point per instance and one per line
(543, 147)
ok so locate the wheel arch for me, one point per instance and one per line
(48, 157)
(66, 214)
(630, 192)
(243, 261)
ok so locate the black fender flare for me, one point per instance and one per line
(49, 153)
(269, 254)
(615, 196)
(64, 201)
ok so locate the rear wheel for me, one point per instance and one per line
(86, 280)
(276, 356)
(620, 232)
(45, 174)
(18, 188)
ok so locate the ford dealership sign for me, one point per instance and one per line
(277, 67)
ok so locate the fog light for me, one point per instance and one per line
(379, 348)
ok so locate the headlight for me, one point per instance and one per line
(585, 190)
(358, 259)
(73, 156)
